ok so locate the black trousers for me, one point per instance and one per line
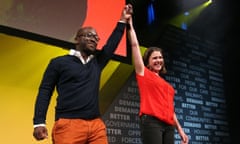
(155, 131)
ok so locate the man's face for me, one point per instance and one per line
(87, 40)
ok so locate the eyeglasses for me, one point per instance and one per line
(90, 35)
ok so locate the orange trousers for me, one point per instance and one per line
(79, 131)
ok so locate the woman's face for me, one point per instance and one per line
(156, 61)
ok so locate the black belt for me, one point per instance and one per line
(149, 116)
(154, 119)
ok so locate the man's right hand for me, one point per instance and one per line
(40, 133)
(126, 13)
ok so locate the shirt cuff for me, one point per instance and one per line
(121, 21)
(38, 125)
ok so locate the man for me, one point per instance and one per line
(77, 77)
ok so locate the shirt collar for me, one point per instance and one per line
(78, 54)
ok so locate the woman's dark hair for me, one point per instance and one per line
(148, 53)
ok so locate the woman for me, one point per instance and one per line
(158, 119)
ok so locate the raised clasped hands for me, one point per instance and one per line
(126, 13)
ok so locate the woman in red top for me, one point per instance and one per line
(158, 119)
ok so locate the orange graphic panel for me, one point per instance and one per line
(103, 15)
